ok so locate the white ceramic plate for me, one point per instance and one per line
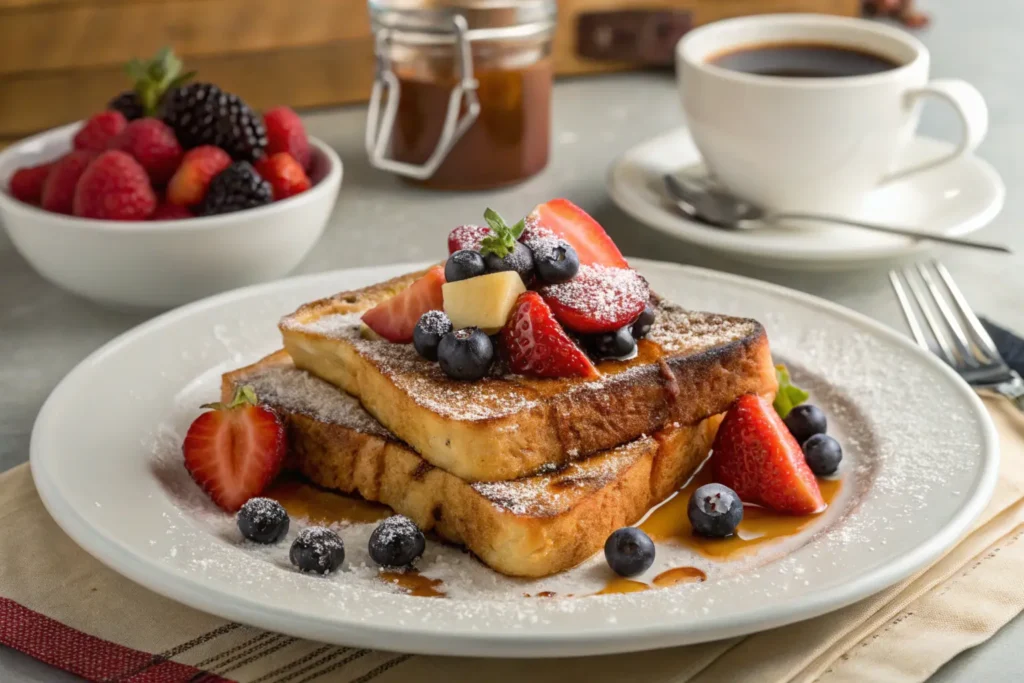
(920, 464)
(955, 199)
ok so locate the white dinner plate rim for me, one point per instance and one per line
(417, 639)
(774, 254)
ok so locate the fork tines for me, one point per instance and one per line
(959, 336)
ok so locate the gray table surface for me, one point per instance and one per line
(44, 332)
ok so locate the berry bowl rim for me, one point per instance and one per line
(33, 145)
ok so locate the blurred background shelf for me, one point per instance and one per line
(61, 60)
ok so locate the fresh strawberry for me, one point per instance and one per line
(285, 133)
(564, 219)
(27, 183)
(535, 344)
(59, 189)
(170, 212)
(755, 455)
(234, 451)
(98, 131)
(467, 237)
(114, 187)
(198, 167)
(284, 174)
(152, 143)
(396, 318)
(598, 299)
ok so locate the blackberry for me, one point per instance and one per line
(129, 104)
(203, 114)
(235, 188)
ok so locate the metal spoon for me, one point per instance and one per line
(718, 208)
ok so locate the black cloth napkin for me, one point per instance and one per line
(1009, 345)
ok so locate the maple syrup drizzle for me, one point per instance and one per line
(621, 585)
(320, 506)
(542, 594)
(413, 583)
(759, 527)
(679, 575)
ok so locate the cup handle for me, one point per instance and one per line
(969, 105)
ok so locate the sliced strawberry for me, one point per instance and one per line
(598, 299)
(396, 318)
(234, 451)
(564, 219)
(536, 344)
(755, 455)
(467, 237)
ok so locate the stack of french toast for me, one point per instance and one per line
(523, 411)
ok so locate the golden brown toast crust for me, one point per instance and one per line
(693, 365)
(530, 527)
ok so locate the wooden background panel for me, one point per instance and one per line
(703, 12)
(41, 37)
(60, 60)
(304, 77)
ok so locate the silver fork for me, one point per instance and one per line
(960, 338)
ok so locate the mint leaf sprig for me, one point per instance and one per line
(502, 240)
(789, 395)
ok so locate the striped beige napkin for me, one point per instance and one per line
(61, 606)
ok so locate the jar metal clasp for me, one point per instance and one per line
(379, 127)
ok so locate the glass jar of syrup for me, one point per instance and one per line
(462, 95)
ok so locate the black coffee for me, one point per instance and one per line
(802, 60)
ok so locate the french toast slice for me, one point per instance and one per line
(691, 366)
(530, 527)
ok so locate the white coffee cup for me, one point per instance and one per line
(813, 144)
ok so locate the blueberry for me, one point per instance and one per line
(614, 344)
(396, 542)
(520, 260)
(804, 421)
(465, 354)
(715, 511)
(428, 332)
(642, 325)
(317, 549)
(463, 265)
(823, 454)
(629, 551)
(555, 261)
(263, 520)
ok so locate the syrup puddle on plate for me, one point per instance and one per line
(760, 526)
(303, 500)
(670, 577)
(414, 583)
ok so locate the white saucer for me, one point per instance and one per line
(919, 463)
(955, 199)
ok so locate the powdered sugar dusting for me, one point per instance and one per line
(553, 493)
(603, 294)
(299, 392)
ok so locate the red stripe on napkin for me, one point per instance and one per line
(87, 656)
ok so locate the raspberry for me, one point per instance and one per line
(114, 187)
(285, 133)
(27, 183)
(198, 167)
(152, 143)
(284, 174)
(59, 189)
(98, 131)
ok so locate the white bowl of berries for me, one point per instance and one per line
(159, 211)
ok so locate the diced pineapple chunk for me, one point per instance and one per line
(485, 301)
